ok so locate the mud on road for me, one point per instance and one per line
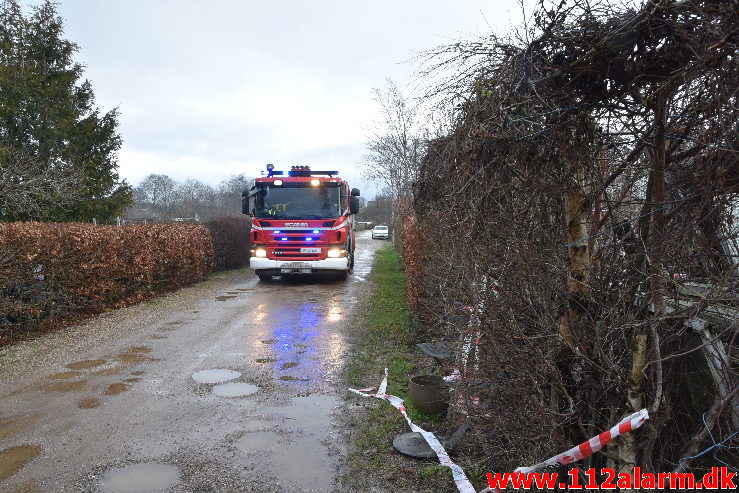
(231, 385)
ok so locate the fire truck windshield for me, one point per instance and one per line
(297, 201)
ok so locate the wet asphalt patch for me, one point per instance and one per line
(262, 361)
(218, 375)
(257, 441)
(144, 477)
(89, 403)
(106, 372)
(86, 364)
(65, 375)
(64, 386)
(235, 389)
(224, 298)
(70, 381)
(290, 378)
(140, 349)
(116, 388)
(15, 425)
(14, 458)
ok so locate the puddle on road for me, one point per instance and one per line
(133, 358)
(106, 372)
(305, 463)
(88, 403)
(261, 361)
(86, 364)
(65, 386)
(311, 411)
(13, 458)
(257, 441)
(156, 336)
(254, 424)
(140, 478)
(289, 378)
(133, 380)
(65, 375)
(12, 426)
(215, 376)
(235, 389)
(286, 366)
(269, 341)
(137, 373)
(116, 388)
(140, 349)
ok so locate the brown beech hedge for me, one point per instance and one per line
(231, 242)
(53, 272)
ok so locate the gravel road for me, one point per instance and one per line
(231, 385)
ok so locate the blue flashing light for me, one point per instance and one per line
(278, 232)
(284, 238)
(315, 231)
(309, 238)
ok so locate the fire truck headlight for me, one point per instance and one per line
(335, 253)
(260, 252)
(315, 182)
(277, 183)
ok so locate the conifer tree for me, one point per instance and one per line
(48, 113)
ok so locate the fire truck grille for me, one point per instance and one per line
(301, 238)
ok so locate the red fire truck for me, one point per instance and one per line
(302, 223)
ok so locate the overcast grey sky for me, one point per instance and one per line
(211, 89)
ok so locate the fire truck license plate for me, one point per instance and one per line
(310, 250)
(295, 265)
(296, 268)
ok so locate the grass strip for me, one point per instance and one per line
(384, 334)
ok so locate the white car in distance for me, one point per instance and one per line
(380, 232)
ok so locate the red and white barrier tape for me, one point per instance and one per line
(585, 449)
(460, 479)
(588, 448)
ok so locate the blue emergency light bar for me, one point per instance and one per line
(309, 172)
(296, 171)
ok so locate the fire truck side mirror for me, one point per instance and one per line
(354, 204)
(355, 192)
(247, 203)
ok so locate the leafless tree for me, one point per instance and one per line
(29, 190)
(156, 190)
(396, 145)
(228, 198)
(591, 177)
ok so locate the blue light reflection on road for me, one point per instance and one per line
(294, 335)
